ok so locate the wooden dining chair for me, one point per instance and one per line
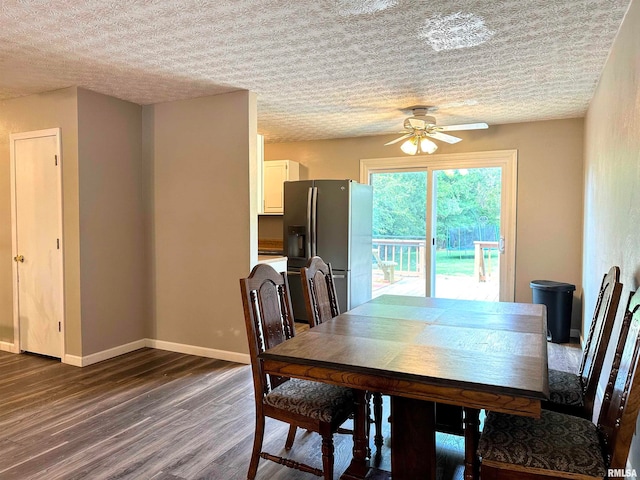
(575, 393)
(321, 301)
(319, 290)
(314, 406)
(558, 445)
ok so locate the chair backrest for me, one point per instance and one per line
(599, 334)
(269, 320)
(619, 411)
(376, 256)
(319, 290)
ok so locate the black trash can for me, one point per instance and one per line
(558, 297)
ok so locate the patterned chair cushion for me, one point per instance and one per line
(565, 388)
(312, 399)
(556, 442)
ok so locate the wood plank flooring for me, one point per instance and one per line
(150, 414)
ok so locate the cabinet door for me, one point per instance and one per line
(275, 174)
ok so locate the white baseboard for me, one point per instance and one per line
(78, 361)
(104, 355)
(200, 351)
(8, 347)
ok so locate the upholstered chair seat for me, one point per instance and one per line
(319, 401)
(565, 388)
(555, 442)
(559, 445)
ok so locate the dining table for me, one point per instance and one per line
(422, 351)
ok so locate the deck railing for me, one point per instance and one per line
(409, 254)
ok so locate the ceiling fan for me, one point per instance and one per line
(421, 126)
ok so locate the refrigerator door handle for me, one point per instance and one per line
(339, 276)
(314, 221)
(308, 239)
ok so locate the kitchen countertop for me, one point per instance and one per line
(271, 258)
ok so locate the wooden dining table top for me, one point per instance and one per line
(476, 354)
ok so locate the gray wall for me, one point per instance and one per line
(114, 262)
(204, 232)
(159, 217)
(25, 114)
(612, 179)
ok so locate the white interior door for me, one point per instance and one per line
(37, 241)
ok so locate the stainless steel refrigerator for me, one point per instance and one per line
(333, 220)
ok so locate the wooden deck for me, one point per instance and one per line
(447, 286)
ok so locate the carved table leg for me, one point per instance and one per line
(378, 439)
(471, 436)
(359, 466)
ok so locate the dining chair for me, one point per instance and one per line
(319, 290)
(321, 301)
(558, 445)
(575, 393)
(315, 406)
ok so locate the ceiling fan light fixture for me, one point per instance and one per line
(410, 147)
(427, 146)
(421, 128)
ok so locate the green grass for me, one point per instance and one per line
(448, 262)
(461, 262)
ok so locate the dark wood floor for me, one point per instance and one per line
(153, 414)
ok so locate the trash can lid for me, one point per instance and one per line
(550, 285)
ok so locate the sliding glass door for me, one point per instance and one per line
(444, 225)
(466, 226)
(399, 231)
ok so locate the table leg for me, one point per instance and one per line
(471, 436)
(413, 439)
(378, 439)
(359, 466)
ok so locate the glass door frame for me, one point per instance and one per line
(505, 159)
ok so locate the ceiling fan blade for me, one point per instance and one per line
(443, 137)
(465, 126)
(399, 139)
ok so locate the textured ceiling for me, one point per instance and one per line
(320, 68)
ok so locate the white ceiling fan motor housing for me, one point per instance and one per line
(420, 122)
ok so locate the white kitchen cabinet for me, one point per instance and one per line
(259, 174)
(274, 174)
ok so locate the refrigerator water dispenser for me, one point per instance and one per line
(296, 241)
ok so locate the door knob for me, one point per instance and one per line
(19, 258)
